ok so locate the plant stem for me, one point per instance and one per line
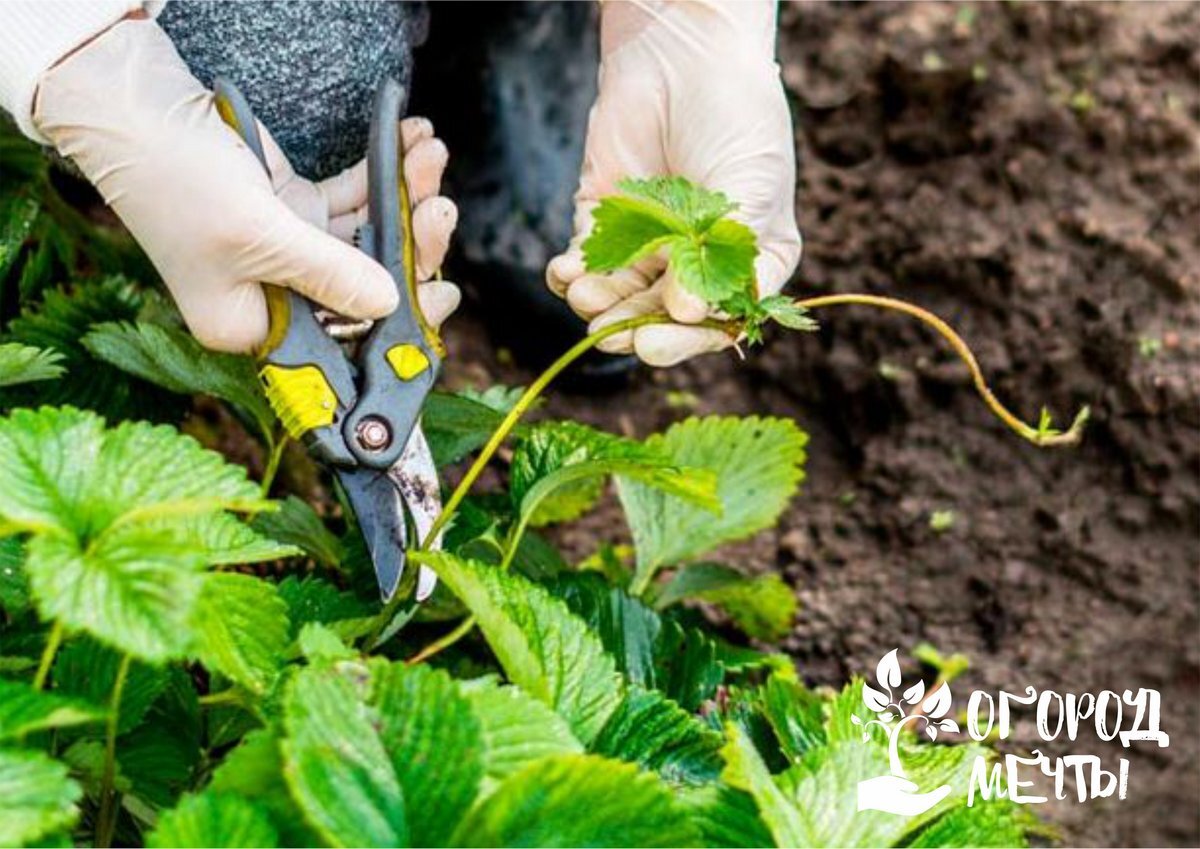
(1038, 437)
(231, 696)
(276, 450)
(514, 540)
(467, 625)
(53, 642)
(106, 821)
(638, 585)
(501, 433)
(444, 642)
(522, 406)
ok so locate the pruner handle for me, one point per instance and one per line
(400, 358)
(305, 376)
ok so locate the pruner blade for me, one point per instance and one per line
(396, 508)
(416, 479)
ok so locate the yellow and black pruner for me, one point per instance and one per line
(361, 415)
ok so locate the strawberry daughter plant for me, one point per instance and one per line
(186, 661)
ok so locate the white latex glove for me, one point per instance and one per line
(686, 89)
(129, 113)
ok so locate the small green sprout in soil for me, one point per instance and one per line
(932, 61)
(941, 521)
(681, 399)
(1082, 101)
(947, 667)
(892, 372)
(1149, 347)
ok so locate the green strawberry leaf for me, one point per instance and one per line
(627, 628)
(697, 207)
(59, 323)
(745, 770)
(335, 763)
(428, 728)
(577, 800)
(224, 539)
(171, 358)
(457, 424)
(14, 586)
(241, 629)
(649, 651)
(123, 522)
(86, 759)
(18, 214)
(516, 728)
(316, 643)
(162, 756)
(133, 589)
(26, 364)
(87, 670)
(688, 665)
(625, 230)
(315, 600)
(759, 465)
(296, 523)
(24, 710)
(497, 397)
(725, 817)
(783, 310)
(159, 759)
(652, 731)
(754, 314)
(795, 714)
(255, 771)
(717, 264)
(70, 475)
(814, 801)
(213, 819)
(762, 606)
(542, 647)
(827, 780)
(558, 469)
(710, 255)
(37, 799)
(999, 823)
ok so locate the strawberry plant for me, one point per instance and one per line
(190, 656)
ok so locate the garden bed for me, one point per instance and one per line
(1030, 173)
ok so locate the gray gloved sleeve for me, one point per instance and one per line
(309, 70)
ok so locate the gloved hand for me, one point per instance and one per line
(686, 89)
(128, 112)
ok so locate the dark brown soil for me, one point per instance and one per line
(1031, 173)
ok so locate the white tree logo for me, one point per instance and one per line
(895, 793)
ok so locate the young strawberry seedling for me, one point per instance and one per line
(712, 256)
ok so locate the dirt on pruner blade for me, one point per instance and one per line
(1031, 173)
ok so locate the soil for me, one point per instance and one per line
(1031, 173)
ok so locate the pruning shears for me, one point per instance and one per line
(360, 414)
